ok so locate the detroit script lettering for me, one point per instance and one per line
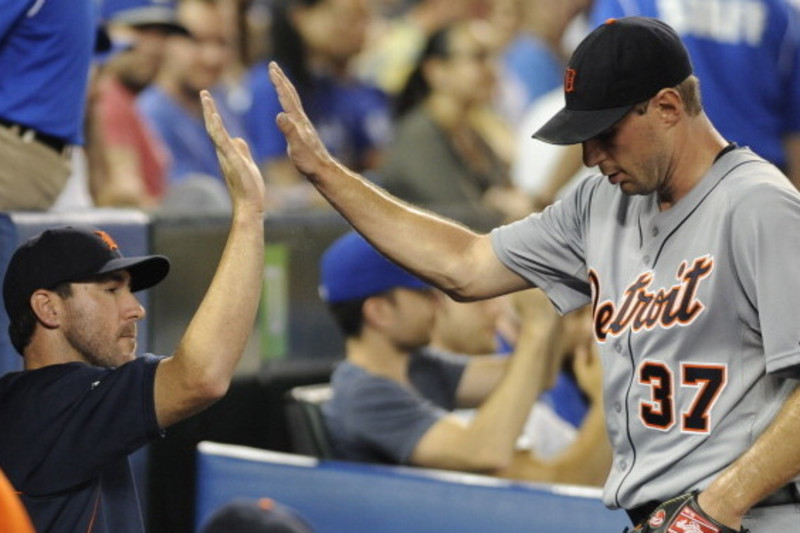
(643, 308)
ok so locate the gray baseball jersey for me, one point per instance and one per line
(696, 312)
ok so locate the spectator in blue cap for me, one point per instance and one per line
(392, 395)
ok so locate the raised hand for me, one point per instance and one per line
(245, 184)
(304, 147)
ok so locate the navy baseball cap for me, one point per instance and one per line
(621, 63)
(264, 515)
(351, 269)
(72, 254)
(143, 13)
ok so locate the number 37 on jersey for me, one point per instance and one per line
(703, 381)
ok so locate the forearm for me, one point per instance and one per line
(432, 247)
(480, 378)
(200, 370)
(770, 463)
(499, 421)
(588, 459)
(446, 254)
(221, 327)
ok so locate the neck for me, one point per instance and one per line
(47, 348)
(448, 113)
(320, 64)
(695, 155)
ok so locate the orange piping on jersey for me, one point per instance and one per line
(94, 512)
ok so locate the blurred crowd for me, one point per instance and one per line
(435, 100)
(425, 97)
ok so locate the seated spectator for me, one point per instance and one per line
(545, 171)
(533, 55)
(560, 418)
(316, 40)
(396, 41)
(171, 104)
(439, 159)
(393, 394)
(131, 162)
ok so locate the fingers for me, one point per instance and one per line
(214, 126)
(287, 94)
(242, 147)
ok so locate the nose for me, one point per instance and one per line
(593, 153)
(133, 308)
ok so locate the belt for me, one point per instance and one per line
(783, 496)
(29, 134)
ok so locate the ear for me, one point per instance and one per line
(669, 105)
(376, 311)
(48, 308)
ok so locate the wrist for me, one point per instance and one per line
(719, 507)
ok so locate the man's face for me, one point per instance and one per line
(468, 328)
(100, 320)
(469, 69)
(412, 314)
(137, 67)
(334, 29)
(198, 62)
(630, 153)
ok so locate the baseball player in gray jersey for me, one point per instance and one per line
(686, 246)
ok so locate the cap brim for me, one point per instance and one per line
(151, 17)
(145, 271)
(570, 126)
(168, 26)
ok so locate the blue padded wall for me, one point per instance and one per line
(339, 497)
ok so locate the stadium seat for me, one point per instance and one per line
(304, 419)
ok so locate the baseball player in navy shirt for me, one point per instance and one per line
(85, 400)
(686, 247)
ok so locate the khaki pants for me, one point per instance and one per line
(32, 175)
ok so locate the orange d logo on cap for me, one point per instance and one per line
(106, 238)
(569, 80)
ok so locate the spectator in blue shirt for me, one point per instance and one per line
(317, 41)
(170, 105)
(45, 53)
